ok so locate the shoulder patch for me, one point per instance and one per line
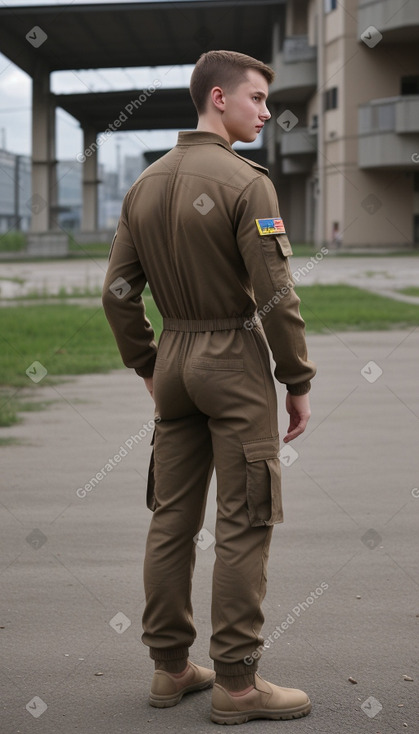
(273, 225)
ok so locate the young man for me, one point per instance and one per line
(202, 227)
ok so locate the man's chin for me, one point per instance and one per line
(250, 138)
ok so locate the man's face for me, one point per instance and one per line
(245, 110)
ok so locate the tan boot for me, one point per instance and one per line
(167, 691)
(265, 701)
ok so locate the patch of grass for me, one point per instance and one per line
(20, 281)
(11, 407)
(65, 339)
(72, 340)
(345, 308)
(8, 441)
(63, 294)
(12, 241)
(91, 249)
(8, 409)
(374, 273)
(303, 250)
(34, 406)
(411, 290)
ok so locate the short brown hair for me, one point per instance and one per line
(226, 69)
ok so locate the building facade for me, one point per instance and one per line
(15, 191)
(343, 141)
(17, 203)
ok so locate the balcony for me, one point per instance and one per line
(397, 21)
(298, 150)
(296, 71)
(389, 133)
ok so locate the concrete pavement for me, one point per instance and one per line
(343, 579)
(379, 274)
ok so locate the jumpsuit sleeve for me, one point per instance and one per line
(124, 307)
(266, 261)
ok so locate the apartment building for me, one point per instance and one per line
(343, 141)
(15, 191)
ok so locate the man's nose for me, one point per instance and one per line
(266, 114)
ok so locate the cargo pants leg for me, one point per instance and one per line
(240, 569)
(236, 423)
(183, 469)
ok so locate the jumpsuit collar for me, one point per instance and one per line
(195, 137)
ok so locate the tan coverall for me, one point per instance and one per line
(188, 228)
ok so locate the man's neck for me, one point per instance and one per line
(206, 125)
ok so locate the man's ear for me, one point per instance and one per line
(217, 98)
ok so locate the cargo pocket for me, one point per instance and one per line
(263, 482)
(276, 250)
(284, 244)
(151, 498)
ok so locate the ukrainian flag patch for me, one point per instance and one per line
(270, 226)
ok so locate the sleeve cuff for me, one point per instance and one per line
(148, 369)
(300, 388)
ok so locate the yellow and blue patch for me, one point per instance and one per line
(273, 225)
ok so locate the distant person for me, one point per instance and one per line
(336, 236)
(202, 227)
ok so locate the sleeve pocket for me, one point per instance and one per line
(284, 244)
(263, 482)
(275, 251)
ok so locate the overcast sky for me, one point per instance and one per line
(15, 103)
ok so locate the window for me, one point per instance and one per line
(331, 99)
(330, 5)
(410, 85)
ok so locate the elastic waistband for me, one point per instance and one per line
(236, 322)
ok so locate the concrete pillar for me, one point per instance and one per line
(320, 234)
(90, 181)
(44, 178)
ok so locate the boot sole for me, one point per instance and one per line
(241, 717)
(163, 702)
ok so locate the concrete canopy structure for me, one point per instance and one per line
(135, 34)
(172, 107)
(44, 39)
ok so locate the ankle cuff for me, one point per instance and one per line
(169, 653)
(234, 676)
(171, 666)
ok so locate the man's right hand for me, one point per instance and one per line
(298, 407)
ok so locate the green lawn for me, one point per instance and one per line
(411, 290)
(12, 241)
(65, 339)
(92, 249)
(344, 308)
(69, 339)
